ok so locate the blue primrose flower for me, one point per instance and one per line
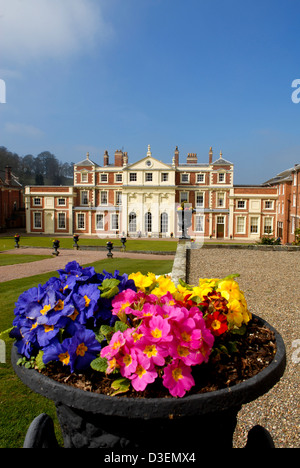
(73, 273)
(77, 352)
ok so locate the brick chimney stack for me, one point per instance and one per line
(192, 158)
(119, 158)
(210, 155)
(105, 158)
(8, 175)
(176, 157)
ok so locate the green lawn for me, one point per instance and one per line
(15, 398)
(7, 243)
(11, 259)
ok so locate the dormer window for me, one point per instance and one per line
(84, 177)
(221, 177)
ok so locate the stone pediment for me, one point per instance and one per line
(149, 163)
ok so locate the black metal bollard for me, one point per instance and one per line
(55, 247)
(17, 240)
(109, 246)
(75, 239)
(123, 240)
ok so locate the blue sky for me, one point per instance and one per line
(96, 75)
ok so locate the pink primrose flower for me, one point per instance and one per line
(144, 374)
(177, 378)
(122, 301)
(157, 329)
(114, 346)
(128, 361)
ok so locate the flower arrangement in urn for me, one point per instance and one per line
(134, 329)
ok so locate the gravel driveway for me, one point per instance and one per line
(23, 270)
(271, 283)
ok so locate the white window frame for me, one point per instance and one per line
(200, 204)
(269, 202)
(103, 203)
(103, 178)
(82, 217)
(202, 176)
(220, 200)
(267, 225)
(148, 221)
(199, 223)
(115, 222)
(118, 198)
(185, 175)
(99, 221)
(164, 222)
(37, 201)
(83, 198)
(132, 176)
(132, 222)
(120, 176)
(148, 176)
(241, 228)
(84, 177)
(181, 197)
(164, 177)
(221, 175)
(34, 220)
(254, 224)
(242, 204)
(61, 201)
(63, 214)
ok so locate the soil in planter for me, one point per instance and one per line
(253, 352)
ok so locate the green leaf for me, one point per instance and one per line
(99, 336)
(239, 331)
(185, 285)
(106, 330)
(99, 364)
(108, 294)
(39, 360)
(232, 347)
(109, 287)
(121, 326)
(120, 386)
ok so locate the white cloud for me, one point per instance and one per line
(31, 29)
(23, 130)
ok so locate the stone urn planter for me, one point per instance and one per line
(92, 420)
(184, 215)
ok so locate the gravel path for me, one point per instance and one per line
(271, 283)
(23, 270)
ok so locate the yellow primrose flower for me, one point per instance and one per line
(165, 284)
(142, 282)
(229, 289)
(206, 286)
(181, 292)
(235, 313)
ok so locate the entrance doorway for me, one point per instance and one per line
(220, 226)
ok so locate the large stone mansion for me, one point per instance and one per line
(141, 199)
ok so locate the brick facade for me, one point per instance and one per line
(140, 199)
(12, 213)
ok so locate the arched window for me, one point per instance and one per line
(132, 222)
(164, 222)
(148, 222)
